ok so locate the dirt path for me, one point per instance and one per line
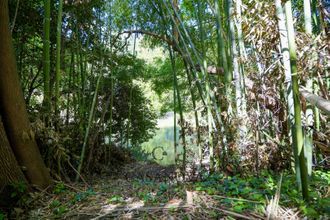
(147, 192)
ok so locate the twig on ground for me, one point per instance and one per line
(141, 209)
(238, 199)
(227, 212)
(71, 187)
(234, 214)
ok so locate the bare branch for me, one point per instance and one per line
(152, 34)
(317, 101)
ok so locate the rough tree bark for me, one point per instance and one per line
(13, 109)
(10, 171)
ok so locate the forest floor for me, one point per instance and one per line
(148, 191)
(140, 191)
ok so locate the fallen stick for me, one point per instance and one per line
(228, 212)
(237, 199)
(69, 186)
(234, 214)
(142, 209)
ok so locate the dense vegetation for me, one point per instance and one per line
(246, 84)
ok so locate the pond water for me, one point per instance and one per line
(161, 147)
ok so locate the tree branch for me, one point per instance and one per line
(210, 69)
(152, 34)
(317, 101)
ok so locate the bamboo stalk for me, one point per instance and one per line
(46, 56)
(58, 57)
(288, 83)
(211, 144)
(90, 119)
(297, 134)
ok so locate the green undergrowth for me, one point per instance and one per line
(240, 194)
(252, 193)
(157, 193)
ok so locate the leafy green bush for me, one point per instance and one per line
(236, 192)
(59, 188)
(2, 215)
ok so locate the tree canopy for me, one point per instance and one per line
(242, 85)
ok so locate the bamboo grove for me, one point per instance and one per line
(253, 77)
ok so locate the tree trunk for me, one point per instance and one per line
(10, 171)
(13, 109)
